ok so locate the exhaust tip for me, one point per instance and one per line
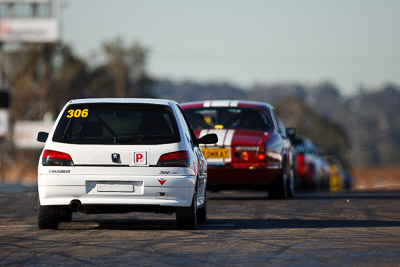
(75, 205)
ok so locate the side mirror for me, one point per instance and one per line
(208, 139)
(42, 137)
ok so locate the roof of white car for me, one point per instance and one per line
(123, 100)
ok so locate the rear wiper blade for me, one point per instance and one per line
(123, 139)
(158, 136)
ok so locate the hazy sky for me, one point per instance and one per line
(348, 42)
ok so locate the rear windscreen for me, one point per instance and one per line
(117, 124)
(228, 118)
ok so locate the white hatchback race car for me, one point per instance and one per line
(122, 155)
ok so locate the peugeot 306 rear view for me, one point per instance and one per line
(122, 155)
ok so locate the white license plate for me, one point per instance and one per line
(109, 187)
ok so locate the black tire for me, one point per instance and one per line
(202, 212)
(278, 189)
(186, 217)
(65, 215)
(48, 217)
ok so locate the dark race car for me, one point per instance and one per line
(253, 149)
(312, 171)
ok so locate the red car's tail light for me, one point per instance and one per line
(56, 158)
(246, 152)
(261, 156)
(250, 153)
(244, 155)
(261, 153)
(301, 164)
(174, 159)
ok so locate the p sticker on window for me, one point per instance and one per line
(140, 158)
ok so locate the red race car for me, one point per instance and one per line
(253, 149)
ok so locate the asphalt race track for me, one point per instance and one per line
(244, 228)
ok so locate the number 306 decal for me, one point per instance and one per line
(76, 113)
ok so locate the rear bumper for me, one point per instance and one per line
(242, 174)
(308, 175)
(305, 178)
(176, 191)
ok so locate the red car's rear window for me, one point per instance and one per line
(228, 118)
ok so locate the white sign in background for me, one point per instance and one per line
(25, 133)
(4, 122)
(32, 30)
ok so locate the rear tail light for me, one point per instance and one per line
(243, 152)
(56, 158)
(244, 155)
(174, 159)
(301, 164)
(250, 152)
(261, 153)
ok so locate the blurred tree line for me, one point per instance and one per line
(362, 129)
(45, 77)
